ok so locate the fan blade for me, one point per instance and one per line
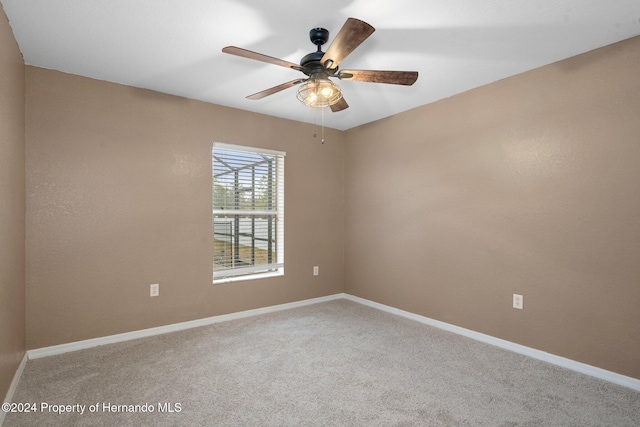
(238, 51)
(406, 78)
(339, 106)
(275, 89)
(351, 35)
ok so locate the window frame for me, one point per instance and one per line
(254, 271)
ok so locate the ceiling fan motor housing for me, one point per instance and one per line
(311, 63)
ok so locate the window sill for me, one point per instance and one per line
(278, 273)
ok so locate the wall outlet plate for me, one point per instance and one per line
(518, 301)
(316, 270)
(154, 290)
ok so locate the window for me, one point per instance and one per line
(248, 212)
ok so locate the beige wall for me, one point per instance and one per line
(12, 206)
(529, 185)
(119, 197)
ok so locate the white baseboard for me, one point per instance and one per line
(14, 384)
(583, 368)
(81, 345)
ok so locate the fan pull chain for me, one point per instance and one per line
(322, 127)
(315, 126)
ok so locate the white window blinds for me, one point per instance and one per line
(248, 211)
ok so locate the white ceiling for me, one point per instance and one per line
(174, 46)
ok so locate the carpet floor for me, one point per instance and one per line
(336, 363)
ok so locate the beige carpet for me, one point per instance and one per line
(331, 364)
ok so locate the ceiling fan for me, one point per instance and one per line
(317, 89)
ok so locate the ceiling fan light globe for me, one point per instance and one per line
(319, 93)
(326, 92)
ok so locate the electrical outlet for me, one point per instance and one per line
(518, 301)
(316, 270)
(154, 290)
